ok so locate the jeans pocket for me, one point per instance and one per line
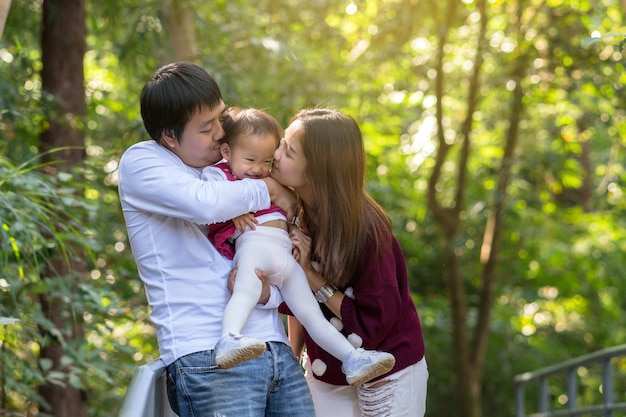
(172, 395)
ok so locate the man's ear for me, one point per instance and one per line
(225, 151)
(168, 139)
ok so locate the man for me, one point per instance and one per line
(166, 206)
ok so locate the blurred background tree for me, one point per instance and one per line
(495, 140)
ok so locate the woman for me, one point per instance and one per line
(355, 267)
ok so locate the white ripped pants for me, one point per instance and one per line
(404, 395)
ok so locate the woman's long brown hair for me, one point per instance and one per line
(342, 215)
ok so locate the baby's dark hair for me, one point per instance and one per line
(243, 122)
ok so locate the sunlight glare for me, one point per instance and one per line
(420, 44)
(110, 166)
(421, 144)
(95, 150)
(530, 309)
(528, 330)
(6, 56)
(397, 97)
(271, 44)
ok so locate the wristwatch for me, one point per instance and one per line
(323, 294)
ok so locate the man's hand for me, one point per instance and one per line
(282, 196)
(265, 286)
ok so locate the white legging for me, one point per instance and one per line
(269, 249)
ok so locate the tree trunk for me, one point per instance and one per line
(492, 237)
(182, 31)
(62, 50)
(4, 12)
(468, 353)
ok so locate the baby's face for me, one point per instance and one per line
(251, 156)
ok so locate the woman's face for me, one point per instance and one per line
(289, 166)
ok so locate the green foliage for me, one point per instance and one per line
(32, 233)
(560, 262)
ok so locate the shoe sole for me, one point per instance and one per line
(377, 370)
(235, 357)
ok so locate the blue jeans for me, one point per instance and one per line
(272, 385)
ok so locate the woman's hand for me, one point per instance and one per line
(301, 247)
(302, 253)
(265, 286)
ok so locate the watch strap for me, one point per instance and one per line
(323, 294)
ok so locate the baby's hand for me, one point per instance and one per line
(244, 220)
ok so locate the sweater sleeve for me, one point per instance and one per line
(156, 181)
(375, 304)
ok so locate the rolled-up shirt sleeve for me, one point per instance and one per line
(275, 300)
(156, 181)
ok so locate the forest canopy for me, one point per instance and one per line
(495, 134)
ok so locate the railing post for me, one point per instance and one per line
(607, 386)
(543, 394)
(570, 368)
(519, 400)
(147, 394)
(571, 388)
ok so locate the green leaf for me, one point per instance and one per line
(45, 364)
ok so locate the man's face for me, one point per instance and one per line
(199, 145)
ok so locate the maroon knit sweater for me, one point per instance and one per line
(382, 313)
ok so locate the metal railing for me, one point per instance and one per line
(570, 369)
(147, 395)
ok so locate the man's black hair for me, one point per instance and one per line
(173, 95)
